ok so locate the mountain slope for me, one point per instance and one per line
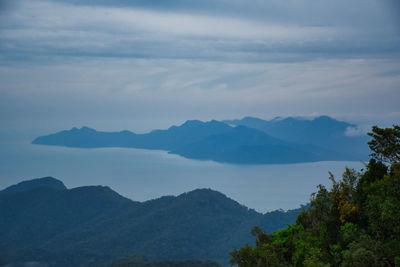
(211, 140)
(93, 225)
(175, 136)
(297, 129)
(36, 215)
(323, 131)
(251, 146)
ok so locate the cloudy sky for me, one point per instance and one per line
(145, 64)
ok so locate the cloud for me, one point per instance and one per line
(355, 131)
(43, 28)
(112, 63)
(117, 93)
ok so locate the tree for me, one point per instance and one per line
(385, 143)
(354, 223)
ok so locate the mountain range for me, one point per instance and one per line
(246, 141)
(322, 131)
(43, 221)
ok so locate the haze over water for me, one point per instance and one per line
(145, 174)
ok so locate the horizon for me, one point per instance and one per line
(352, 130)
(15, 130)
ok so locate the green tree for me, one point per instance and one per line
(385, 143)
(354, 223)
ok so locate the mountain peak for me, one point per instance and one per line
(36, 183)
(82, 129)
(203, 192)
(324, 118)
(252, 119)
(192, 123)
(198, 123)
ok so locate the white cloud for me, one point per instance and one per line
(55, 16)
(50, 27)
(93, 91)
(355, 131)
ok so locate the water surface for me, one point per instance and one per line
(145, 174)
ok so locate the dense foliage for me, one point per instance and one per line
(355, 223)
(42, 221)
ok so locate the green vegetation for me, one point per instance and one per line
(42, 221)
(355, 223)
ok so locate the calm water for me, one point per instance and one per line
(143, 174)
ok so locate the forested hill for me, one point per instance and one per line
(247, 141)
(43, 221)
(354, 223)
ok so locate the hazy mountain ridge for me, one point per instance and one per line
(323, 131)
(251, 141)
(94, 224)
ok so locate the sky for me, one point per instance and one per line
(146, 64)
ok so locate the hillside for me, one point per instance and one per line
(95, 225)
(323, 131)
(248, 143)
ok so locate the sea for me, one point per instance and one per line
(142, 175)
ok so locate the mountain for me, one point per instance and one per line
(323, 131)
(251, 146)
(297, 129)
(36, 183)
(175, 136)
(94, 225)
(211, 140)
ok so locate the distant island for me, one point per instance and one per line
(246, 141)
(45, 222)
